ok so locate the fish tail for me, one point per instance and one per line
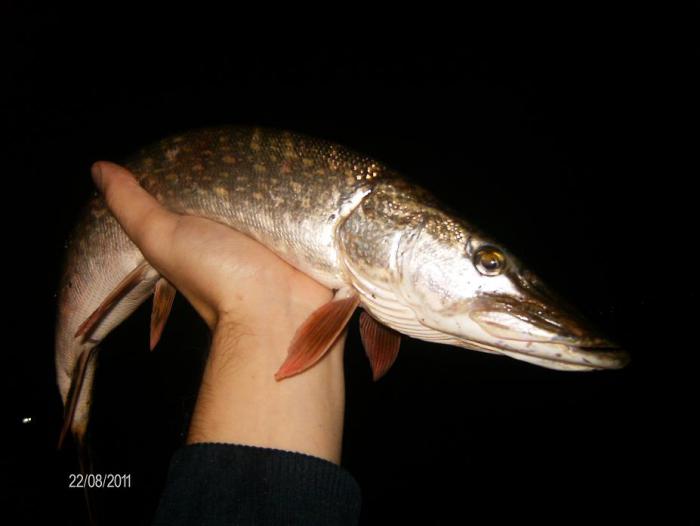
(79, 398)
(77, 415)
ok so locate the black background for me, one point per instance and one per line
(538, 139)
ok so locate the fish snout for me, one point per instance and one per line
(545, 332)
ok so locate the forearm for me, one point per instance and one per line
(241, 402)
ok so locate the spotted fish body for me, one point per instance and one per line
(289, 192)
(347, 221)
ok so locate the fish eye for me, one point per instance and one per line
(489, 261)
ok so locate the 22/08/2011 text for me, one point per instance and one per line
(99, 480)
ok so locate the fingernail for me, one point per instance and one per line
(97, 175)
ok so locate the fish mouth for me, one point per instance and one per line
(536, 331)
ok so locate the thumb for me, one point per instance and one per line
(147, 223)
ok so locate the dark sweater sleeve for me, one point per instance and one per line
(217, 484)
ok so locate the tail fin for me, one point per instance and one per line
(79, 397)
(77, 414)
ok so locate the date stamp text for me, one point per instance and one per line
(99, 480)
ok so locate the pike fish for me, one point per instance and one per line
(347, 221)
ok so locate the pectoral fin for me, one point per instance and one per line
(381, 345)
(317, 334)
(163, 298)
(125, 286)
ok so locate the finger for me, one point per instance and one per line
(147, 223)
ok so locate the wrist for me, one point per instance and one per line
(246, 339)
(241, 402)
(268, 321)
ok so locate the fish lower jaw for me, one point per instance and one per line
(557, 356)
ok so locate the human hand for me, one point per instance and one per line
(253, 302)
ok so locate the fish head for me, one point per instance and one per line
(462, 284)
